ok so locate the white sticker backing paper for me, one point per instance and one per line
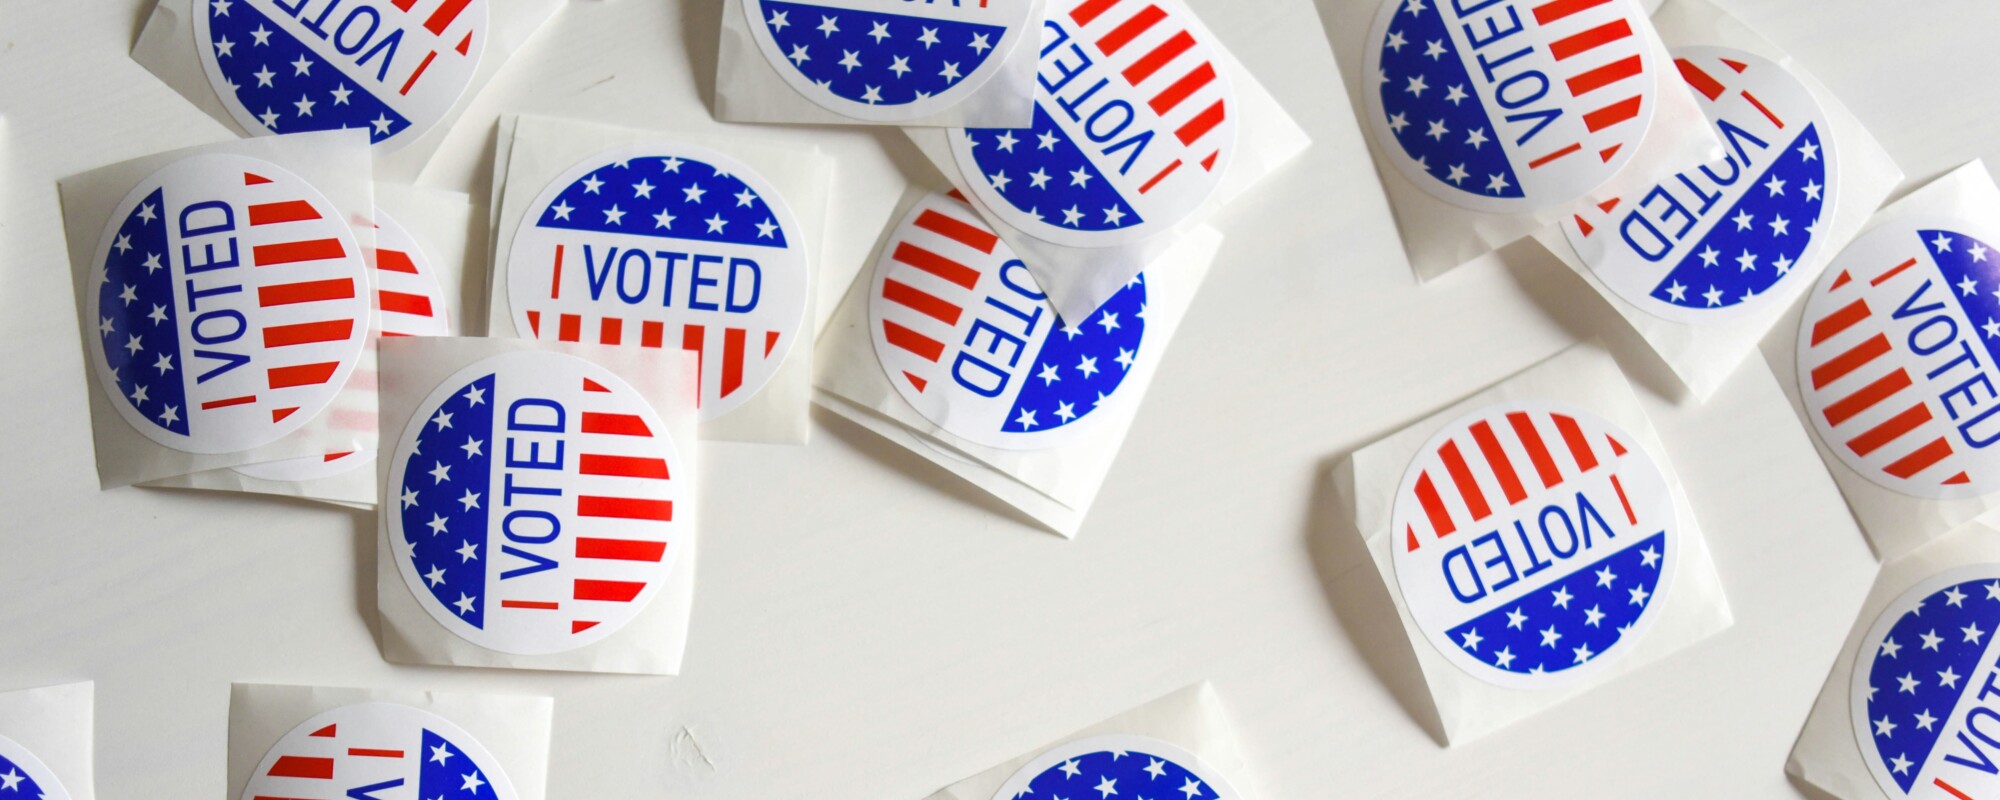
(46, 743)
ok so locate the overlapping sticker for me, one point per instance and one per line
(1118, 765)
(231, 304)
(379, 750)
(1923, 698)
(536, 503)
(1134, 126)
(25, 776)
(1510, 106)
(1533, 542)
(392, 67)
(665, 246)
(970, 340)
(1714, 242)
(1897, 358)
(887, 60)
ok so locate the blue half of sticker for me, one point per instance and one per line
(136, 323)
(1756, 243)
(1434, 108)
(1922, 668)
(445, 516)
(668, 197)
(13, 778)
(876, 58)
(449, 773)
(1971, 273)
(287, 87)
(1571, 620)
(1081, 365)
(1119, 773)
(1041, 172)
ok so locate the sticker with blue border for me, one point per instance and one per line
(230, 304)
(1717, 241)
(25, 776)
(1897, 357)
(971, 341)
(1118, 765)
(666, 246)
(536, 503)
(888, 60)
(379, 750)
(1135, 124)
(1923, 698)
(1533, 543)
(393, 68)
(1510, 106)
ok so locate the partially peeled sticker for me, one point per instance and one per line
(1924, 702)
(887, 60)
(1118, 765)
(22, 772)
(379, 750)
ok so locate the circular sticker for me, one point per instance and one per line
(393, 68)
(1134, 127)
(1510, 107)
(536, 499)
(380, 750)
(886, 60)
(1713, 242)
(1896, 358)
(970, 340)
(25, 776)
(665, 246)
(230, 305)
(1922, 697)
(1118, 765)
(1533, 542)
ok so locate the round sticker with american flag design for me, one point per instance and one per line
(887, 60)
(970, 340)
(1717, 240)
(1510, 106)
(665, 246)
(24, 776)
(231, 305)
(535, 503)
(1532, 542)
(1924, 705)
(1133, 128)
(391, 67)
(379, 750)
(1119, 765)
(1897, 353)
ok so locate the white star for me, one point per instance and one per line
(435, 576)
(1606, 576)
(1458, 174)
(440, 754)
(1157, 769)
(1743, 220)
(164, 364)
(1125, 358)
(1476, 138)
(1776, 186)
(1583, 653)
(1978, 252)
(828, 27)
(1472, 639)
(1417, 86)
(1088, 366)
(472, 447)
(12, 780)
(715, 223)
(670, 164)
(981, 42)
(1106, 787)
(766, 229)
(437, 524)
(1435, 49)
(928, 37)
(1397, 122)
(1562, 597)
(1948, 679)
(223, 47)
(1593, 617)
(1812, 189)
(1901, 764)
(1437, 130)
(1112, 216)
(262, 35)
(470, 500)
(442, 420)
(171, 415)
(1038, 179)
(1992, 590)
(850, 59)
(1713, 295)
(1780, 226)
(798, 54)
(269, 118)
(1972, 633)
(1045, 141)
(1890, 648)
(304, 106)
(1883, 726)
(693, 193)
(464, 602)
(614, 215)
(1049, 374)
(1498, 183)
(1549, 636)
(409, 497)
(303, 66)
(1649, 556)
(132, 344)
(1067, 411)
(663, 220)
(1396, 41)
(381, 123)
(999, 180)
(1026, 420)
(1925, 720)
(472, 783)
(1070, 769)
(879, 32)
(221, 7)
(1810, 150)
(440, 473)
(340, 95)
(1071, 216)
(1784, 264)
(1908, 683)
(1678, 292)
(124, 243)
(1746, 261)
(779, 20)
(104, 324)
(1504, 658)
(950, 71)
(264, 75)
(1942, 243)
(1639, 595)
(475, 396)
(1006, 141)
(1515, 618)
(1931, 640)
(1455, 93)
(644, 188)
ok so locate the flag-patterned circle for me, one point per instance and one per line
(391, 67)
(970, 340)
(887, 60)
(1718, 239)
(1134, 125)
(24, 776)
(1922, 698)
(668, 246)
(1117, 765)
(1897, 354)
(382, 751)
(1532, 543)
(230, 304)
(1510, 106)
(535, 503)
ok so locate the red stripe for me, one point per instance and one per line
(1090, 9)
(287, 211)
(958, 231)
(624, 508)
(652, 333)
(615, 424)
(692, 337)
(1579, 445)
(537, 605)
(302, 767)
(555, 275)
(1496, 457)
(623, 466)
(443, 16)
(929, 305)
(1159, 57)
(570, 328)
(1840, 320)
(1619, 487)
(1427, 496)
(610, 330)
(1162, 175)
(1866, 397)
(1538, 453)
(1890, 430)
(302, 374)
(1839, 366)
(770, 342)
(1190, 83)
(404, 303)
(1201, 124)
(1605, 75)
(1558, 9)
(1699, 79)
(1461, 478)
(608, 591)
(1884, 277)
(1760, 107)
(593, 386)
(1612, 114)
(365, 752)
(265, 255)
(1939, 782)
(396, 261)
(936, 264)
(912, 341)
(1921, 460)
(620, 549)
(404, 4)
(1130, 29)
(1537, 163)
(732, 360)
(227, 402)
(426, 64)
(332, 330)
(1591, 39)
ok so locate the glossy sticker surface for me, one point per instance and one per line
(887, 60)
(1923, 699)
(1120, 765)
(384, 751)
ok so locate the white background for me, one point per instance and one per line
(868, 627)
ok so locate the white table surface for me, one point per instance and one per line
(868, 627)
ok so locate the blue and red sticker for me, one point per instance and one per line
(379, 750)
(1118, 765)
(1897, 358)
(1532, 543)
(1923, 697)
(887, 60)
(1134, 125)
(1510, 106)
(231, 304)
(537, 503)
(666, 246)
(971, 341)
(391, 67)
(24, 776)
(1714, 240)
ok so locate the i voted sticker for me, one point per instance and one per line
(536, 503)
(1134, 125)
(1924, 701)
(665, 246)
(391, 67)
(1897, 353)
(1510, 106)
(24, 776)
(1118, 765)
(970, 340)
(1533, 542)
(1714, 242)
(379, 750)
(231, 304)
(887, 60)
